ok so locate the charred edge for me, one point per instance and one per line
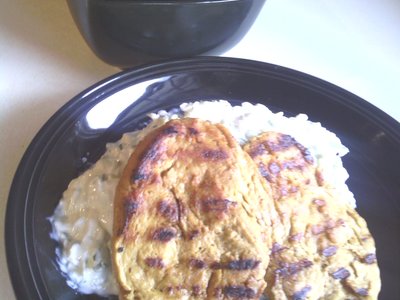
(284, 142)
(264, 172)
(217, 205)
(163, 234)
(302, 294)
(197, 263)
(289, 269)
(138, 176)
(239, 291)
(257, 150)
(151, 156)
(193, 131)
(154, 262)
(214, 155)
(329, 251)
(305, 153)
(131, 207)
(276, 248)
(193, 234)
(168, 210)
(170, 130)
(369, 259)
(341, 273)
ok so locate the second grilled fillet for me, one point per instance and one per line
(327, 252)
(192, 217)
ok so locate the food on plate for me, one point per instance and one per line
(82, 222)
(328, 252)
(193, 217)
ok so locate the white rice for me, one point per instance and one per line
(82, 222)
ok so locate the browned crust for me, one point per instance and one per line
(211, 205)
(328, 252)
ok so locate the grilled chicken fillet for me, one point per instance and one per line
(327, 251)
(192, 217)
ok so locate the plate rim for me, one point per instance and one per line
(16, 234)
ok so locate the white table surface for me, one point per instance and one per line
(44, 62)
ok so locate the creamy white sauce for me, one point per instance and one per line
(82, 222)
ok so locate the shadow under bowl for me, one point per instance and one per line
(125, 33)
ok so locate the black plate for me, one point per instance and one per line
(55, 155)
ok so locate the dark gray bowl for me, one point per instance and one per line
(126, 33)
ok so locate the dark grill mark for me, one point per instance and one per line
(131, 207)
(217, 205)
(139, 175)
(361, 291)
(168, 210)
(274, 168)
(164, 234)
(193, 131)
(289, 269)
(216, 266)
(302, 294)
(306, 153)
(341, 273)
(293, 164)
(239, 291)
(197, 263)
(151, 156)
(257, 150)
(276, 248)
(243, 264)
(264, 172)
(236, 265)
(369, 259)
(214, 154)
(170, 130)
(283, 142)
(154, 262)
(329, 251)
